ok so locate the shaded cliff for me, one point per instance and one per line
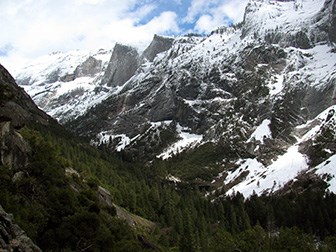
(123, 64)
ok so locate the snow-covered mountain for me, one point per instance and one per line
(65, 84)
(263, 90)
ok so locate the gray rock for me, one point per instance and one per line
(14, 151)
(301, 40)
(159, 44)
(105, 196)
(16, 110)
(89, 67)
(52, 77)
(12, 237)
(123, 64)
(68, 77)
(315, 100)
(333, 97)
(332, 27)
(16, 104)
(18, 176)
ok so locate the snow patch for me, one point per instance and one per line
(160, 123)
(105, 138)
(275, 85)
(186, 140)
(261, 179)
(261, 132)
(271, 178)
(327, 171)
(172, 178)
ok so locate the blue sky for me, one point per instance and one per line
(31, 28)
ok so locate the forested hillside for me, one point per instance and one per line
(218, 142)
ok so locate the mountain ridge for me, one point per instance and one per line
(271, 72)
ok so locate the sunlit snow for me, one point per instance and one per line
(328, 168)
(186, 140)
(269, 179)
(260, 179)
(261, 132)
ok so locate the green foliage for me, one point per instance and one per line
(317, 150)
(46, 206)
(199, 162)
(61, 212)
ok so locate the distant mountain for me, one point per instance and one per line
(261, 92)
(65, 85)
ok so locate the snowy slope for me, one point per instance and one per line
(327, 171)
(262, 179)
(50, 80)
(290, 16)
(202, 79)
(186, 140)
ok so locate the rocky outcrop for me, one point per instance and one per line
(14, 151)
(12, 237)
(315, 29)
(16, 105)
(89, 67)
(159, 44)
(332, 27)
(16, 110)
(68, 77)
(333, 98)
(123, 64)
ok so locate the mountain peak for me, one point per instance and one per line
(123, 63)
(159, 44)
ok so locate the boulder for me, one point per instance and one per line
(12, 237)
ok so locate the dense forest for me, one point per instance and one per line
(63, 212)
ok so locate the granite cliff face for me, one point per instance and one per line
(16, 105)
(158, 45)
(332, 27)
(65, 85)
(122, 65)
(16, 110)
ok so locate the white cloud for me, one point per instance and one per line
(234, 9)
(90, 1)
(230, 11)
(196, 8)
(205, 24)
(34, 28)
(31, 28)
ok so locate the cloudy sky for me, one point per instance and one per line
(31, 28)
